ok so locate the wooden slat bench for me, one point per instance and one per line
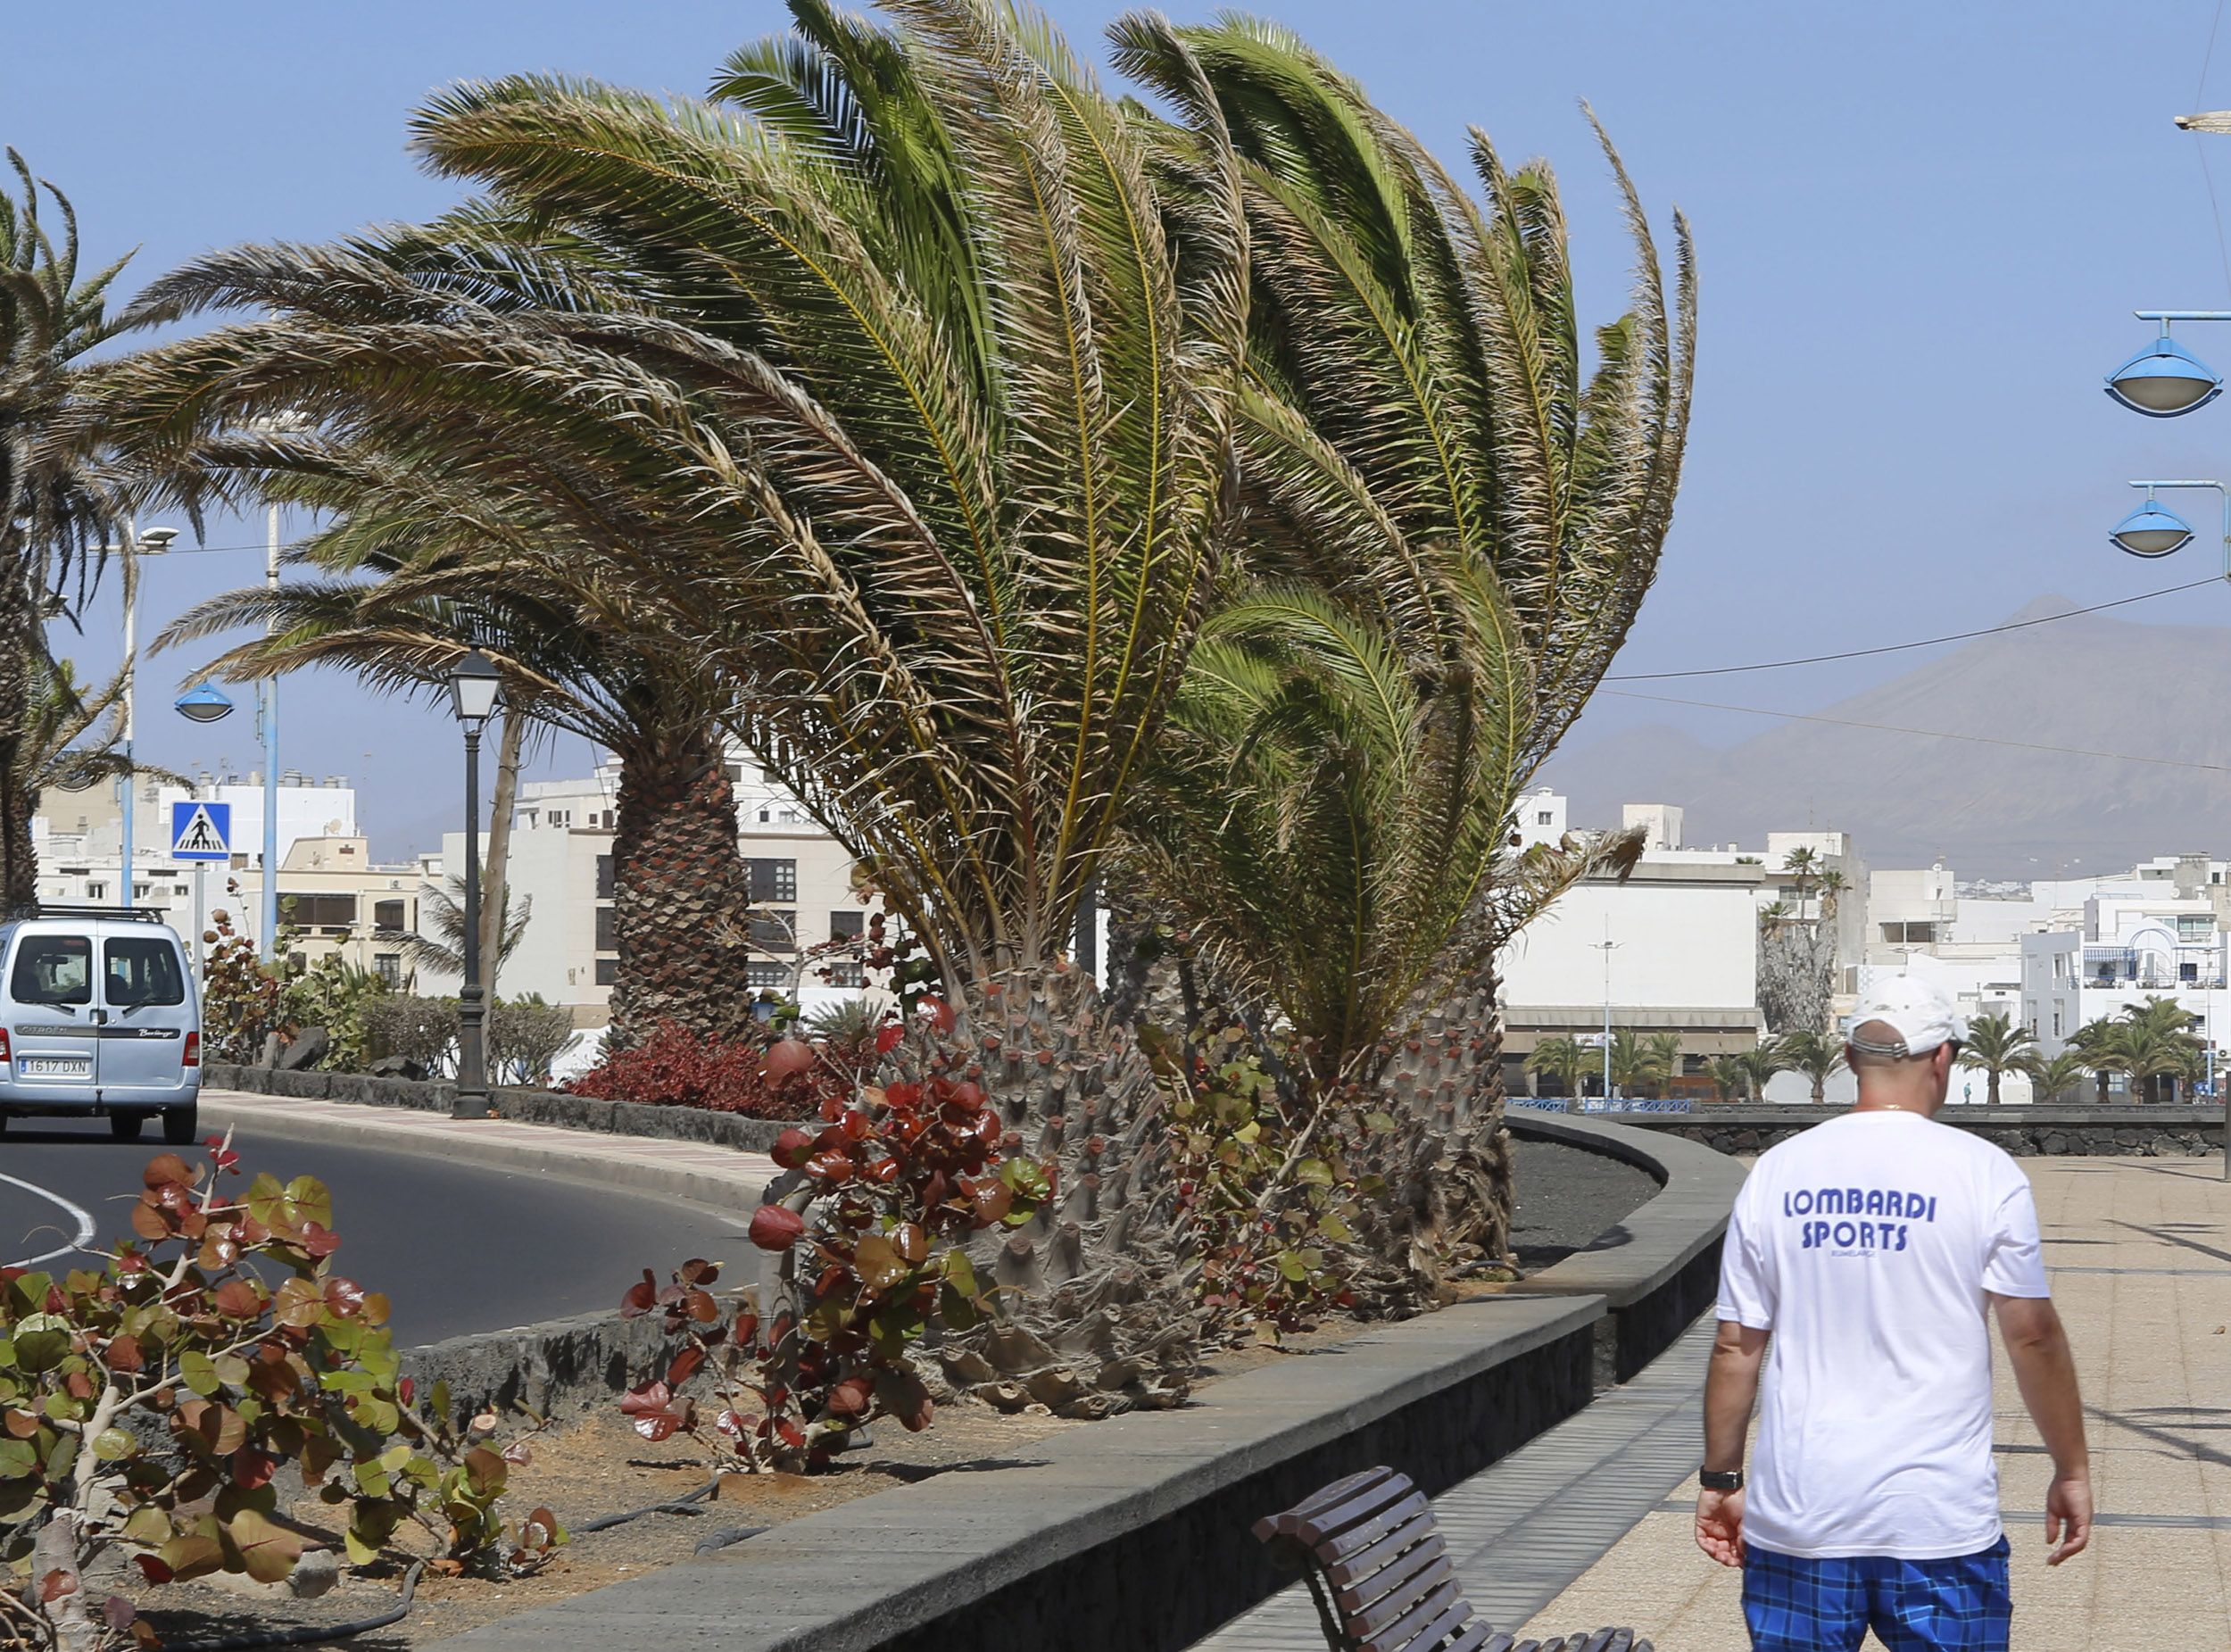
(1380, 1575)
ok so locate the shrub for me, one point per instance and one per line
(525, 1035)
(423, 1030)
(148, 1404)
(341, 997)
(675, 1067)
(241, 999)
(871, 1240)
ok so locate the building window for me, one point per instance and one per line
(1924, 934)
(387, 914)
(2188, 973)
(767, 975)
(1545, 818)
(773, 880)
(852, 974)
(847, 925)
(96, 892)
(607, 971)
(604, 881)
(606, 931)
(388, 968)
(2194, 926)
(2056, 1021)
(326, 911)
(763, 816)
(774, 931)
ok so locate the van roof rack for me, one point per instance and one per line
(137, 914)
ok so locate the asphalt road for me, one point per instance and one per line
(456, 1247)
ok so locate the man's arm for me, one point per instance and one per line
(2045, 1371)
(1731, 1390)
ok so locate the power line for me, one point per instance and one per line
(1928, 642)
(1927, 734)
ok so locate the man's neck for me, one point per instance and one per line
(1880, 1103)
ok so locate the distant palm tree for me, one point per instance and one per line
(1995, 1046)
(2053, 1076)
(1563, 1059)
(1817, 1054)
(1728, 1077)
(1759, 1065)
(1664, 1049)
(2147, 1042)
(439, 945)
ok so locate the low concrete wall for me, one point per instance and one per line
(530, 1107)
(2127, 1130)
(1129, 1535)
(1658, 1269)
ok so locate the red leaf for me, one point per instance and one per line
(851, 1397)
(57, 1584)
(406, 1389)
(937, 1012)
(154, 1568)
(685, 1365)
(657, 1426)
(793, 1149)
(640, 1401)
(640, 1298)
(252, 1468)
(776, 1227)
(888, 1038)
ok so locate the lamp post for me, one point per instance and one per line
(204, 702)
(1607, 946)
(2165, 379)
(155, 542)
(2155, 530)
(473, 686)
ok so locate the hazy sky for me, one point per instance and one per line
(1921, 229)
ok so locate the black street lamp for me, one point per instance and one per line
(474, 686)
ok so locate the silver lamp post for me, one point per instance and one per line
(474, 687)
(204, 702)
(155, 542)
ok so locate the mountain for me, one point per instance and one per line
(1991, 805)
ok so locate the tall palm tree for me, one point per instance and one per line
(874, 390)
(2146, 1042)
(1728, 1077)
(55, 510)
(1418, 419)
(1996, 1045)
(2051, 1077)
(406, 591)
(1818, 1056)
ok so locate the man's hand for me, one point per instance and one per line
(1719, 1524)
(2068, 1517)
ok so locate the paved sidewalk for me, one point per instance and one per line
(1521, 1531)
(714, 1176)
(2140, 1250)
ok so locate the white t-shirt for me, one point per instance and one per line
(1865, 1245)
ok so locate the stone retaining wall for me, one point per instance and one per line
(2131, 1130)
(528, 1107)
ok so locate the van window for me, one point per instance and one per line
(144, 971)
(53, 970)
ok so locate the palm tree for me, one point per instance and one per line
(1665, 1055)
(439, 942)
(2051, 1077)
(1728, 1076)
(1642, 1064)
(2146, 1042)
(1563, 1059)
(55, 510)
(872, 390)
(1420, 443)
(1996, 1045)
(1760, 1063)
(1817, 1054)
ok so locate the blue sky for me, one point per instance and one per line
(1921, 230)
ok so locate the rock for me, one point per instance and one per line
(310, 1047)
(272, 1045)
(396, 1067)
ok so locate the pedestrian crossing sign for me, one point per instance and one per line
(201, 831)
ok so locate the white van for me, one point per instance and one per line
(99, 1015)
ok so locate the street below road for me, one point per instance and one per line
(457, 1247)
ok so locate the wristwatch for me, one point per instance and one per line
(1720, 1479)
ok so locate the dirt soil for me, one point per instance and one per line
(601, 1466)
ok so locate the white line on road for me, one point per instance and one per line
(85, 1222)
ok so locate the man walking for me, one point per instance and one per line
(1862, 1262)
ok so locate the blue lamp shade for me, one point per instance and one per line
(2152, 530)
(205, 703)
(2163, 380)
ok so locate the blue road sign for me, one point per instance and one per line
(201, 831)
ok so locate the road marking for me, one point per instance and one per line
(85, 1222)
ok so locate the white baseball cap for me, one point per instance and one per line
(1918, 1010)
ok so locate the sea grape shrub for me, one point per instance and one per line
(1264, 1188)
(148, 1403)
(871, 1233)
(674, 1066)
(242, 1001)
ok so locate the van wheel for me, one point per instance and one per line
(178, 1124)
(125, 1127)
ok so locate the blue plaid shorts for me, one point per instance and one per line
(1959, 1605)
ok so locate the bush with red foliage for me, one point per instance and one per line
(675, 1067)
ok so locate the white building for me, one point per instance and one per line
(561, 859)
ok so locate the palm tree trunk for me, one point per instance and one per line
(680, 893)
(18, 634)
(492, 912)
(1991, 1086)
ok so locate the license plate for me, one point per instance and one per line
(55, 1066)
